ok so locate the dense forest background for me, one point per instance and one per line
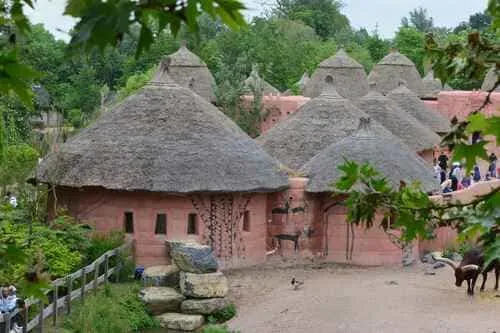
(291, 38)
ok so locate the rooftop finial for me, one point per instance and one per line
(372, 85)
(364, 123)
(183, 43)
(402, 82)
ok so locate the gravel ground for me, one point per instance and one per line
(337, 299)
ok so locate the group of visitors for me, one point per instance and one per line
(455, 178)
(8, 303)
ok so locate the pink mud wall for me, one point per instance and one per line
(276, 108)
(104, 210)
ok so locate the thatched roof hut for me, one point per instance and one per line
(411, 103)
(323, 120)
(164, 138)
(400, 123)
(189, 71)
(490, 80)
(431, 86)
(393, 160)
(392, 68)
(348, 75)
(254, 83)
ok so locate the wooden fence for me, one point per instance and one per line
(99, 272)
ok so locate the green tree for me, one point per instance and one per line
(419, 19)
(323, 16)
(410, 42)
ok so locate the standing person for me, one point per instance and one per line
(476, 177)
(437, 173)
(443, 161)
(11, 199)
(493, 165)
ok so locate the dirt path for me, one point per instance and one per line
(380, 300)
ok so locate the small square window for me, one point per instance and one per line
(246, 221)
(161, 224)
(128, 222)
(192, 227)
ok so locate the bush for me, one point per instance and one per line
(116, 309)
(222, 315)
(101, 243)
(217, 329)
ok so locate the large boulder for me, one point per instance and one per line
(204, 285)
(204, 306)
(161, 299)
(164, 276)
(180, 321)
(192, 257)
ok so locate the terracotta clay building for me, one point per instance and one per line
(165, 164)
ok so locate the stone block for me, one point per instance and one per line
(192, 257)
(207, 285)
(204, 306)
(161, 276)
(161, 299)
(180, 321)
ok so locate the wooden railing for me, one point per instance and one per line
(101, 271)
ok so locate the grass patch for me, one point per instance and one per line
(217, 329)
(115, 309)
(222, 315)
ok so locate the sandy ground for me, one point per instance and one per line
(336, 299)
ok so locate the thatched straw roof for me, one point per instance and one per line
(165, 138)
(323, 120)
(490, 80)
(349, 77)
(391, 69)
(393, 160)
(431, 86)
(400, 123)
(254, 83)
(189, 71)
(409, 102)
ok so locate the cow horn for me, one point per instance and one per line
(467, 268)
(445, 260)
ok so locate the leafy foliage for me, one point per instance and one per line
(217, 329)
(223, 315)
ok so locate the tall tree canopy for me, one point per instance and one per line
(419, 19)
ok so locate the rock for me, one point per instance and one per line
(408, 258)
(161, 276)
(391, 283)
(426, 273)
(180, 321)
(204, 285)
(456, 257)
(161, 299)
(192, 257)
(438, 265)
(204, 306)
(428, 258)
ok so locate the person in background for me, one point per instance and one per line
(443, 161)
(476, 174)
(492, 169)
(476, 137)
(8, 299)
(446, 186)
(437, 173)
(11, 199)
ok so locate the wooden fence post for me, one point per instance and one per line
(6, 322)
(106, 269)
(83, 284)
(69, 286)
(40, 320)
(26, 318)
(56, 296)
(96, 277)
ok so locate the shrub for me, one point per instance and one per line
(115, 309)
(217, 329)
(100, 243)
(222, 315)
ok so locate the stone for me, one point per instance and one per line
(428, 258)
(456, 257)
(161, 276)
(180, 321)
(208, 285)
(408, 258)
(192, 257)
(161, 299)
(438, 265)
(204, 306)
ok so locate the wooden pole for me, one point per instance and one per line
(26, 319)
(56, 296)
(6, 322)
(96, 277)
(40, 321)
(82, 290)
(69, 286)
(106, 269)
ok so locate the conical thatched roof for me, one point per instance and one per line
(325, 119)
(165, 138)
(431, 86)
(490, 80)
(393, 160)
(409, 102)
(255, 83)
(392, 68)
(400, 123)
(349, 77)
(189, 71)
